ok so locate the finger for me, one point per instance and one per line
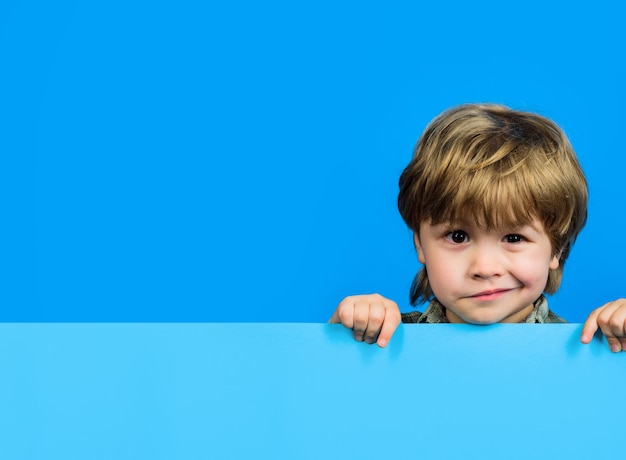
(390, 324)
(375, 320)
(591, 326)
(597, 319)
(611, 319)
(614, 344)
(616, 321)
(612, 322)
(361, 318)
(344, 314)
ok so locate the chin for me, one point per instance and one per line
(483, 320)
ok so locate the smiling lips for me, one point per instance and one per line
(488, 295)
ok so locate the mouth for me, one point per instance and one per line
(491, 294)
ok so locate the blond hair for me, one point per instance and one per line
(497, 167)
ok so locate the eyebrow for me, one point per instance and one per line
(465, 224)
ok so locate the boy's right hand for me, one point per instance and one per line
(372, 318)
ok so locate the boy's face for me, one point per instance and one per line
(485, 276)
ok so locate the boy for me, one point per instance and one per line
(495, 199)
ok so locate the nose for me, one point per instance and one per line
(486, 261)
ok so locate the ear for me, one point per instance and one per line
(555, 261)
(418, 248)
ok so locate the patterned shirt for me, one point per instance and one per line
(436, 313)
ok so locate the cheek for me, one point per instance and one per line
(443, 275)
(530, 271)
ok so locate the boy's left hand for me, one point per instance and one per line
(611, 319)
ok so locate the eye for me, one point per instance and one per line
(514, 238)
(457, 236)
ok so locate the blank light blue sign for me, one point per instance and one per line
(219, 391)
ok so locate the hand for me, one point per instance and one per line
(611, 319)
(372, 318)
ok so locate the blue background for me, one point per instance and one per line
(238, 161)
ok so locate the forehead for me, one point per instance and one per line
(534, 225)
(486, 196)
(486, 213)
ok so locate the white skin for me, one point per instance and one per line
(480, 276)
(486, 276)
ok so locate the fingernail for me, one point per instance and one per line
(382, 342)
(615, 348)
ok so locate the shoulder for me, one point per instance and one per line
(412, 317)
(554, 318)
(542, 313)
(434, 313)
